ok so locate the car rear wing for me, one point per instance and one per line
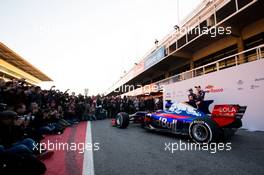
(228, 110)
(225, 115)
(241, 111)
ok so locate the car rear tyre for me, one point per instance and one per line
(204, 130)
(122, 120)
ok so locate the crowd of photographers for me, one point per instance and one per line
(27, 113)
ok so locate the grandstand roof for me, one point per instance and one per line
(13, 58)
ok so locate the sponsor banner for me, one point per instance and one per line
(243, 85)
(154, 58)
(213, 89)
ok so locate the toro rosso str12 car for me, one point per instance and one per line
(181, 118)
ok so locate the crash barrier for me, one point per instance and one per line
(243, 85)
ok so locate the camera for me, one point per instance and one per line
(2, 107)
(27, 118)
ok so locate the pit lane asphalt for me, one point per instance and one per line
(134, 151)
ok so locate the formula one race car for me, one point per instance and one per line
(181, 118)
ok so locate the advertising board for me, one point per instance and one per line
(243, 85)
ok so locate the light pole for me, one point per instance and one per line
(178, 12)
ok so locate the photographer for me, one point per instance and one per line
(17, 153)
(20, 109)
(12, 137)
(2, 85)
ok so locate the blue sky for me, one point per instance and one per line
(86, 43)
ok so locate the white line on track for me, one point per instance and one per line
(88, 163)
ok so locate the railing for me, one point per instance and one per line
(249, 55)
(230, 61)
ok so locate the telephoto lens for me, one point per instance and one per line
(2, 107)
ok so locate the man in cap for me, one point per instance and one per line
(192, 98)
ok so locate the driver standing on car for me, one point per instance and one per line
(199, 96)
(192, 98)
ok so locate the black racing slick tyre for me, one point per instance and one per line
(122, 120)
(204, 130)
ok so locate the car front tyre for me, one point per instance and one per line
(122, 120)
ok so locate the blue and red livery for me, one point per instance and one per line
(181, 118)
